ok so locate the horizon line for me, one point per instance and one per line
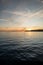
(21, 30)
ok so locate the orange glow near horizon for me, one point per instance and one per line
(19, 28)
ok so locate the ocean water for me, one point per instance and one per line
(21, 46)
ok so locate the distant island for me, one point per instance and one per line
(37, 30)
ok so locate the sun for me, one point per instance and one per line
(28, 29)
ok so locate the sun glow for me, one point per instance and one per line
(29, 29)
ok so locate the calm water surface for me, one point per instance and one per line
(21, 46)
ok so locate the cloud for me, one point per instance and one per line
(21, 18)
(38, 13)
(5, 1)
(41, 1)
(23, 13)
(20, 14)
(4, 20)
(26, 14)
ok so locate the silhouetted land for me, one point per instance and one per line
(38, 30)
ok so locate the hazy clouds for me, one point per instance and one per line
(21, 12)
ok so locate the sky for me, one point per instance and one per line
(21, 13)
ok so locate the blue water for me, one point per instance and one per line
(21, 46)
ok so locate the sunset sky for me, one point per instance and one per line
(21, 13)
